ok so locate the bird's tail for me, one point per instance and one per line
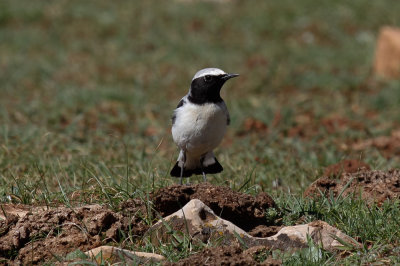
(177, 170)
(208, 164)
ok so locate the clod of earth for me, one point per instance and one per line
(117, 255)
(372, 185)
(244, 210)
(202, 224)
(61, 230)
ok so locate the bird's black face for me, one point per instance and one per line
(206, 89)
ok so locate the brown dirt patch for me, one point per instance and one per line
(38, 235)
(345, 166)
(372, 185)
(230, 255)
(305, 126)
(336, 123)
(265, 231)
(308, 126)
(35, 237)
(252, 125)
(245, 211)
(389, 146)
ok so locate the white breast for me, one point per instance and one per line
(199, 128)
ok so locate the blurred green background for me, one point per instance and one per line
(87, 89)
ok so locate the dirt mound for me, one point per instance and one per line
(40, 237)
(36, 235)
(389, 146)
(243, 210)
(230, 255)
(345, 166)
(372, 185)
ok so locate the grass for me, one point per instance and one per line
(88, 88)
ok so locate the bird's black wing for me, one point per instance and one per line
(228, 118)
(180, 104)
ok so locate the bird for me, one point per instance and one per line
(199, 123)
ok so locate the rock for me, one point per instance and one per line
(387, 54)
(201, 223)
(319, 231)
(115, 255)
(196, 219)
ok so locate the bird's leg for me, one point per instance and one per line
(202, 169)
(183, 166)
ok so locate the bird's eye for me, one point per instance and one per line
(207, 78)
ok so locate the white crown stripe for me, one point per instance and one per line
(208, 71)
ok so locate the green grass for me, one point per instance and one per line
(87, 89)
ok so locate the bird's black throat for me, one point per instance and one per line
(206, 90)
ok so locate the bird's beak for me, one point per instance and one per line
(229, 76)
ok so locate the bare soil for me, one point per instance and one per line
(39, 237)
(40, 234)
(308, 126)
(389, 146)
(36, 235)
(264, 230)
(372, 185)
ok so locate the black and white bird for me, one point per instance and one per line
(199, 124)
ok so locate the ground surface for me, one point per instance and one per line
(87, 90)
(371, 185)
(42, 235)
(53, 234)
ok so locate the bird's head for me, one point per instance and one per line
(206, 85)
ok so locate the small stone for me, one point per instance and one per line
(387, 54)
(116, 255)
